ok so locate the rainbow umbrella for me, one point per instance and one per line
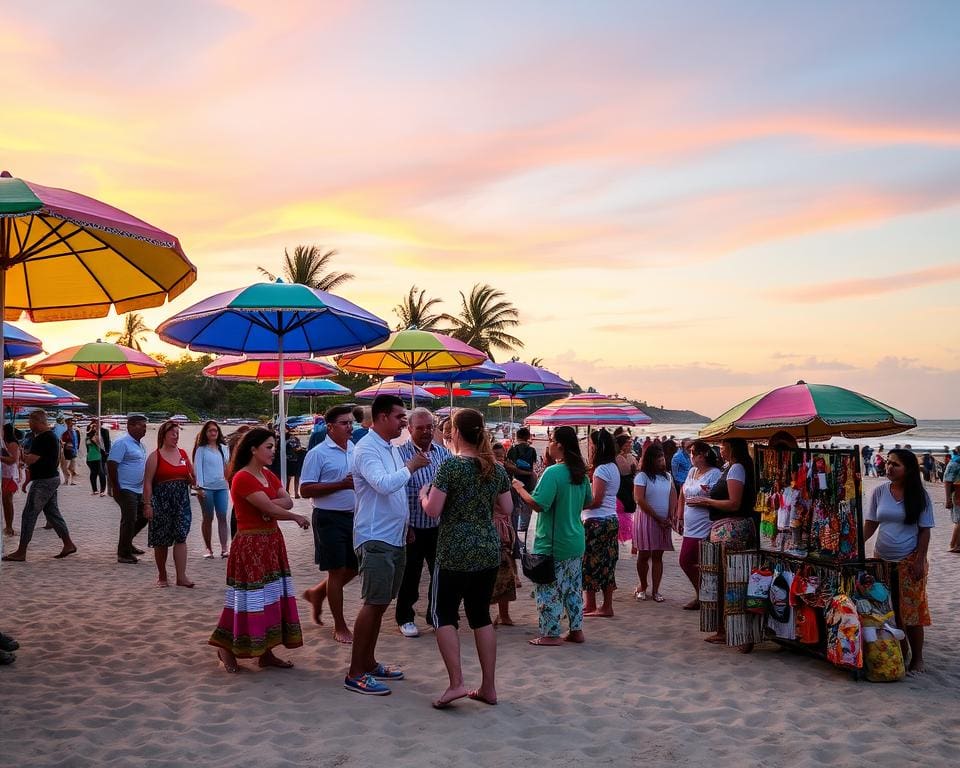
(589, 409)
(812, 411)
(18, 343)
(486, 371)
(311, 388)
(399, 389)
(97, 361)
(275, 318)
(267, 367)
(413, 352)
(523, 380)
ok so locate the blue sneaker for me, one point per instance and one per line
(383, 672)
(366, 685)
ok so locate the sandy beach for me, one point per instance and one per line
(115, 672)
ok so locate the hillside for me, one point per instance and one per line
(668, 416)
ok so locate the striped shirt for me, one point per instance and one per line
(422, 477)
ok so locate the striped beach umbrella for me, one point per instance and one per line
(811, 411)
(267, 367)
(311, 388)
(589, 409)
(17, 391)
(401, 389)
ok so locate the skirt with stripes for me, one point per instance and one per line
(260, 608)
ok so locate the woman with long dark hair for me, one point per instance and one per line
(656, 499)
(695, 523)
(560, 496)
(600, 525)
(260, 611)
(211, 457)
(628, 467)
(466, 489)
(901, 514)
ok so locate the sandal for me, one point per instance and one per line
(232, 668)
(641, 595)
(658, 598)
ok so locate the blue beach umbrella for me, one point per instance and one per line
(274, 318)
(18, 343)
(524, 380)
(312, 388)
(486, 371)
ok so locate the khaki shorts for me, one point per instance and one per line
(381, 571)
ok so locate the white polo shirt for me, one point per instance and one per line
(329, 463)
(380, 480)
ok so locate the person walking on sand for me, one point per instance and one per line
(43, 459)
(423, 531)
(71, 448)
(327, 480)
(126, 463)
(464, 493)
(560, 496)
(260, 608)
(166, 492)
(211, 457)
(10, 463)
(951, 489)
(380, 478)
(95, 453)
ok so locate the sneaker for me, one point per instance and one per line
(383, 672)
(366, 685)
(409, 630)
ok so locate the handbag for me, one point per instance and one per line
(540, 569)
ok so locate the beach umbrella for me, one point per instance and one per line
(97, 361)
(401, 389)
(18, 343)
(524, 380)
(507, 402)
(17, 391)
(486, 371)
(311, 388)
(267, 367)
(64, 396)
(811, 411)
(66, 256)
(413, 352)
(438, 389)
(278, 319)
(589, 409)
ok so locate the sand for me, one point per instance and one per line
(114, 672)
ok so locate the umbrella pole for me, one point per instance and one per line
(282, 440)
(3, 311)
(449, 387)
(99, 400)
(413, 389)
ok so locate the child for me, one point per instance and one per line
(505, 587)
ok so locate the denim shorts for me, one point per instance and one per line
(381, 571)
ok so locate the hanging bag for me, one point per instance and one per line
(540, 569)
(758, 590)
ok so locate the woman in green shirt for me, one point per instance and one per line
(464, 492)
(559, 498)
(95, 458)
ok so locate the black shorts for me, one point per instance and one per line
(472, 588)
(333, 540)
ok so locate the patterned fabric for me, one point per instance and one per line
(912, 593)
(170, 523)
(468, 539)
(564, 595)
(260, 607)
(423, 476)
(505, 587)
(601, 555)
(737, 533)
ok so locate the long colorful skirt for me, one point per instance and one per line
(601, 554)
(260, 608)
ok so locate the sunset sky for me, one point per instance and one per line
(689, 203)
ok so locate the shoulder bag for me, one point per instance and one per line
(538, 568)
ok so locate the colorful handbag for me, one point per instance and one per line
(734, 532)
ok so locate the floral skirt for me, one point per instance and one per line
(170, 523)
(601, 554)
(260, 607)
(910, 594)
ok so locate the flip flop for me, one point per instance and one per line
(475, 695)
(541, 641)
(231, 668)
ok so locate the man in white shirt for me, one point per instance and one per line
(326, 478)
(380, 480)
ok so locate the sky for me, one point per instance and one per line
(689, 203)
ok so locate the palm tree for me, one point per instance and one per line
(414, 310)
(308, 266)
(537, 362)
(133, 329)
(484, 319)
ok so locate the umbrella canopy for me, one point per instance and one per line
(311, 388)
(507, 402)
(274, 318)
(267, 367)
(413, 352)
(812, 411)
(18, 391)
(64, 396)
(400, 389)
(97, 361)
(438, 389)
(66, 256)
(522, 380)
(486, 371)
(589, 409)
(18, 343)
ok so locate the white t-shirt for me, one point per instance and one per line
(657, 492)
(696, 520)
(894, 539)
(611, 476)
(738, 473)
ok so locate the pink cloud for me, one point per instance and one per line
(869, 286)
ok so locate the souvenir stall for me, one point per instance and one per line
(807, 585)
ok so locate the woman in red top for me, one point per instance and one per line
(260, 610)
(166, 503)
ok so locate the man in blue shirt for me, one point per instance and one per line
(681, 463)
(125, 466)
(951, 487)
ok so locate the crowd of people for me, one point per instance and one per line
(450, 498)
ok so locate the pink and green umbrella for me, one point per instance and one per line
(814, 412)
(589, 409)
(98, 361)
(267, 367)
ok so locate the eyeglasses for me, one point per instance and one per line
(344, 423)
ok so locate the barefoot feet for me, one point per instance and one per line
(315, 598)
(449, 696)
(269, 660)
